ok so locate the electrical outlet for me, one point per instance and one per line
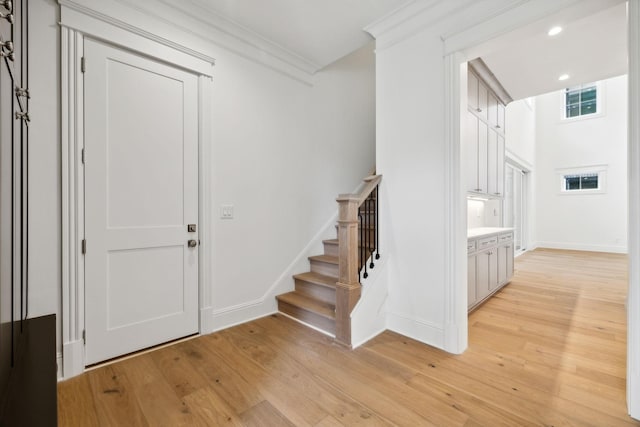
(226, 211)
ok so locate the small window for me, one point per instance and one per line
(583, 180)
(581, 100)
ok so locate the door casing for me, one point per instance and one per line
(75, 27)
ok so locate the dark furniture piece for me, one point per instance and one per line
(27, 346)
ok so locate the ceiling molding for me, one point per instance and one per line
(487, 76)
(415, 17)
(135, 30)
(155, 20)
(218, 23)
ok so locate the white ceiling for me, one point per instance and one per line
(589, 49)
(311, 34)
(318, 31)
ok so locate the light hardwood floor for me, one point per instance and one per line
(547, 350)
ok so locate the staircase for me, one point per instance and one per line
(324, 297)
(314, 299)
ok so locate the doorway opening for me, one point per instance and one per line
(515, 213)
(632, 376)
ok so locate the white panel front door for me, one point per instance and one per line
(141, 191)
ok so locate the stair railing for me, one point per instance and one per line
(358, 233)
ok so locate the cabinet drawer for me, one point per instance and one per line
(471, 246)
(488, 241)
(506, 237)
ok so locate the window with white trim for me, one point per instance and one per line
(583, 180)
(581, 100)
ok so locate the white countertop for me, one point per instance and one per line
(472, 233)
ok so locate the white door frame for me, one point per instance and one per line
(455, 301)
(75, 27)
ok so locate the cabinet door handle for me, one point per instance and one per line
(498, 126)
(478, 189)
(479, 110)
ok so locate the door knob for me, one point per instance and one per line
(192, 243)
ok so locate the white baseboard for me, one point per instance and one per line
(373, 332)
(583, 247)
(242, 313)
(59, 365)
(420, 330)
(73, 361)
(634, 405)
(453, 343)
(206, 320)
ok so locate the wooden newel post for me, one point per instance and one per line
(348, 287)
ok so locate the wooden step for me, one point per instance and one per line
(317, 286)
(308, 310)
(324, 264)
(330, 247)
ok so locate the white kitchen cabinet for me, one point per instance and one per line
(471, 280)
(495, 164)
(482, 276)
(490, 265)
(501, 113)
(483, 156)
(471, 153)
(493, 111)
(492, 163)
(510, 261)
(483, 101)
(484, 143)
(472, 92)
(502, 264)
(500, 168)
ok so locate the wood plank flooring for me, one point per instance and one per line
(547, 350)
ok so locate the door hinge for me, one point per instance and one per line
(84, 336)
(84, 246)
(83, 66)
(82, 154)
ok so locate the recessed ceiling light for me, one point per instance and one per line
(563, 77)
(554, 31)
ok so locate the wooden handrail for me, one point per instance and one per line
(348, 287)
(371, 182)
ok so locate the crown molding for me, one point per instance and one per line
(135, 30)
(484, 72)
(193, 34)
(218, 23)
(412, 18)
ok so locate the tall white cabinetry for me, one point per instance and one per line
(484, 140)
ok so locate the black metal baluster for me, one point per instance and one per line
(377, 225)
(364, 244)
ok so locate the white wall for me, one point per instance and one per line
(44, 157)
(282, 153)
(595, 222)
(520, 145)
(282, 150)
(520, 131)
(410, 154)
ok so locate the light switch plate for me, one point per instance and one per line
(226, 211)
